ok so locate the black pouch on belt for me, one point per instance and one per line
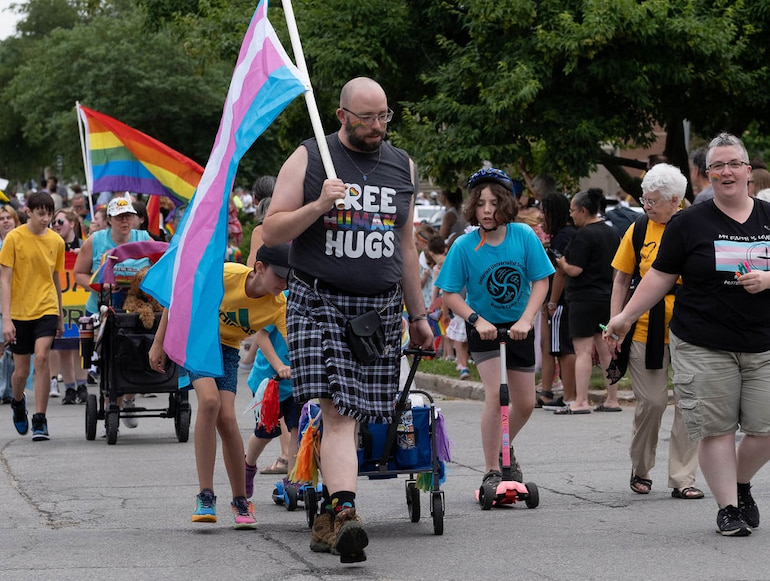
(365, 336)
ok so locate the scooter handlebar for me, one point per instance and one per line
(420, 352)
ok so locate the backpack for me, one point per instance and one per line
(637, 239)
(622, 217)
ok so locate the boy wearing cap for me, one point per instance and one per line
(253, 299)
(31, 258)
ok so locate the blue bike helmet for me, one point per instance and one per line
(491, 175)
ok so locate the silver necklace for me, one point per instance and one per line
(363, 174)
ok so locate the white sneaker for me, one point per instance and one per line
(133, 421)
(54, 388)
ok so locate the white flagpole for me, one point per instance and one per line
(312, 107)
(86, 162)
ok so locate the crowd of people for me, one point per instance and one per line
(543, 271)
(600, 307)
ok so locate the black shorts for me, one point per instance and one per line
(558, 324)
(519, 355)
(290, 411)
(586, 316)
(28, 332)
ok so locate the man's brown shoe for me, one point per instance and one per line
(351, 538)
(323, 538)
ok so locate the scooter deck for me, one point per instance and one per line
(507, 492)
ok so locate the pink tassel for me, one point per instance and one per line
(442, 439)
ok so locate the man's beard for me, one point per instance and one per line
(360, 143)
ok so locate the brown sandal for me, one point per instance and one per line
(280, 466)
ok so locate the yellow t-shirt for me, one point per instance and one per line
(240, 315)
(34, 260)
(625, 261)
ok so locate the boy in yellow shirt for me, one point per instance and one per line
(31, 259)
(253, 300)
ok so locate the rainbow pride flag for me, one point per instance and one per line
(120, 158)
(188, 279)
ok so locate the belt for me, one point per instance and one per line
(317, 283)
(313, 282)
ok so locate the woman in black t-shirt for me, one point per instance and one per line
(587, 264)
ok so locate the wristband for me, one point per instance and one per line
(552, 305)
(414, 318)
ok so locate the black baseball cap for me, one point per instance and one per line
(276, 257)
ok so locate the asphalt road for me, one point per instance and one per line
(79, 510)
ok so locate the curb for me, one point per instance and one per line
(474, 390)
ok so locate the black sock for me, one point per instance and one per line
(744, 488)
(340, 501)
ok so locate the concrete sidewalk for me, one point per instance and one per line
(464, 389)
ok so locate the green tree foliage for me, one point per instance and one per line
(567, 77)
(44, 16)
(113, 66)
(547, 85)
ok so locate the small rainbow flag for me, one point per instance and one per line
(120, 158)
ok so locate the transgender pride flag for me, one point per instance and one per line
(188, 278)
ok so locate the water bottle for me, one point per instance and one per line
(86, 343)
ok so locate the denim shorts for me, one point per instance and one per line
(228, 382)
(721, 390)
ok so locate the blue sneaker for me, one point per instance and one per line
(39, 428)
(206, 507)
(20, 421)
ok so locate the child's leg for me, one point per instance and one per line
(448, 345)
(205, 436)
(42, 380)
(20, 374)
(461, 352)
(284, 441)
(293, 443)
(255, 448)
(290, 431)
(521, 387)
(232, 443)
(489, 370)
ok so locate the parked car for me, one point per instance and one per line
(428, 215)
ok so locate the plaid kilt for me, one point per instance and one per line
(322, 364)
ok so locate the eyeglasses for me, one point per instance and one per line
(370, 119)
(648, 202)
(732, 164)
(60, 222)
